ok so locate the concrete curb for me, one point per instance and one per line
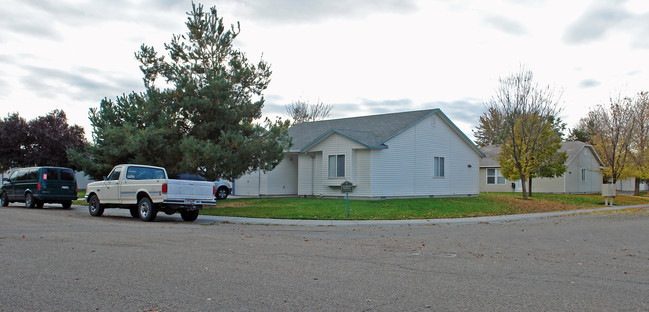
(204, 219)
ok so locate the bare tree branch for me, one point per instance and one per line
(301, 111)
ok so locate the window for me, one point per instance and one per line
(438, 167)
(144, 173)
(22, 174)
(495, 177)
(583, 175)
(33, 174)
(336, 166)
(50, 174)
(115, 174)
(67, 175)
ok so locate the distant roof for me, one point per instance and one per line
(572, 148)
(491, 153)
(370, 131)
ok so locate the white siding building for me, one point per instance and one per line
(410, 154)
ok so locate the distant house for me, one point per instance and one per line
(583, 173)
(628, 185)
(409, 154)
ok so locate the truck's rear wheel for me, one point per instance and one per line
(146, 209)
(66, 204)
(189, 215)
(94, 207)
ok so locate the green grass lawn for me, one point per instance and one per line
(486, 204)
(81, 201)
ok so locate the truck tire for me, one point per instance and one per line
(29, 200)
(4, 199)
(222, 193)
(94, 207)
(189, 215)
(146, 209)
(134, 212)
(66, 204)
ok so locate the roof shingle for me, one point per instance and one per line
(370, 131)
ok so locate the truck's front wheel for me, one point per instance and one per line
(94, 207)
(146, 209)
(189, 215)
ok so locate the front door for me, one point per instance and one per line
(519, 186)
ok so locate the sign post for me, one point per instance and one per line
(347, 187)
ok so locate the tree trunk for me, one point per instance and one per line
(636, 191)
(523, 187)
(530, 186)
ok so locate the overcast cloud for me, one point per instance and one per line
(299, 11)
(363, 57)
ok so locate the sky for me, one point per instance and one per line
(363, 57)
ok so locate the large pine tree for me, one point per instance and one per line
(198, 113)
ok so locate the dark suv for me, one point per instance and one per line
(36, 186)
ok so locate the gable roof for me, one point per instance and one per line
(572, 149)
(370, 131)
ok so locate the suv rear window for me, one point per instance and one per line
(50, 174)
(67, 175)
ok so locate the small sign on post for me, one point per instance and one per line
(347, 187)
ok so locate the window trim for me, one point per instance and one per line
(497, 174)
(439, 170)
(337, 169)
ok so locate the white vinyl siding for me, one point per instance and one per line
(583, 174)
(405, 168)
(361, 174)
(283, 180)
(319, 181)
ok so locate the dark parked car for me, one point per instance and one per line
(36, 186)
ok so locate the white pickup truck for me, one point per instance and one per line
(145, 190)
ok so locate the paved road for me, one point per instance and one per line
(64, 260)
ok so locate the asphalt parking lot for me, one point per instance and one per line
(65, 260)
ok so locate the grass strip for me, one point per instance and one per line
(486, 204)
